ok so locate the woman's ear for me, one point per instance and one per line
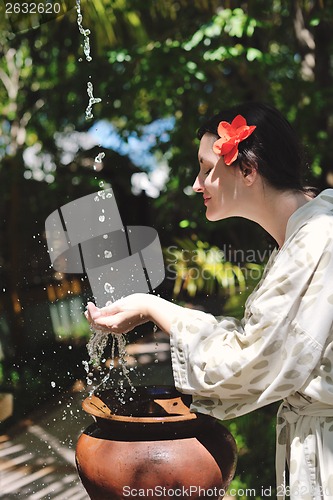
(249, 173)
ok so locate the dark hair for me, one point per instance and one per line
(273, 148)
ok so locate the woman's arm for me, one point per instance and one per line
(132, 311)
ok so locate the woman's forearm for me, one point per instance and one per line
(162, 312)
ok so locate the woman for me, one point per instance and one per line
(250, 166)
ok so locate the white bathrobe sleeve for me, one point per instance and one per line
(232, 367)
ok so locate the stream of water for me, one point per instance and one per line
(100, 340)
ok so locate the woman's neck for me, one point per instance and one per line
(275, 208)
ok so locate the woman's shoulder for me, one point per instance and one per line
(313, 222)
(318, 230)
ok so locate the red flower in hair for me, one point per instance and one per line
(230, 136)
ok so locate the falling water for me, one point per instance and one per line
(100, 339)
(109, 288)
(96, 347)
(92, 100)
(86, 49)
(99, 157)
(85, 33)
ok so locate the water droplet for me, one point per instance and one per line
(107, 254)
(108, 288)
(101, 218)
(53, 384)
(92, 100)
(99, 157)
(86, 366)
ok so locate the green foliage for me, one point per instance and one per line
(9, 377)
(255, 439)
(199, 267)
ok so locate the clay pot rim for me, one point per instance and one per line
(151, 420)
(96, 407)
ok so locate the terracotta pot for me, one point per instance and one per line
(152, 446)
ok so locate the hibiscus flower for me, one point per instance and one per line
(230, 136)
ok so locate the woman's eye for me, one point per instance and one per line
(208, 172)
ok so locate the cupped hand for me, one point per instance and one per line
(120, 316)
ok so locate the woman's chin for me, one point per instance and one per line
(213, 216)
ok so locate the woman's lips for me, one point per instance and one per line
(206, 200)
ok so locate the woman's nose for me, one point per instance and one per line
(197, 186)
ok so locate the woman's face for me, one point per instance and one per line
(222, 186)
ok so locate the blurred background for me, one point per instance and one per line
(160, 68)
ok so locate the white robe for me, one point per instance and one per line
(281, 350)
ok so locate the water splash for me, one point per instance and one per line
(96, 347)
(86, 49)
(92, 100)
(108, 288)
(99, 157)
(84, 32)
